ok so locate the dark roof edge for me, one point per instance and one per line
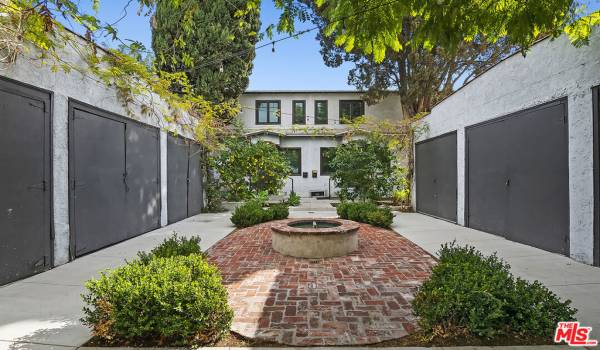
(249, 92)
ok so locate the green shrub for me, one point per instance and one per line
(477, 295)
(248, 214)
(169, 301)
(366, 212)
(280, 211)
(173, 246)
(380, 218)
(252, 213)
(294, 200)
(342, 210)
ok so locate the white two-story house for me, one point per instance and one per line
(307, 125)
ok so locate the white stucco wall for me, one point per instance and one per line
(551, 70)
(389, 108)
(87, 89)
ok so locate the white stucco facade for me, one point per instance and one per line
(552, 69)
(309, 137)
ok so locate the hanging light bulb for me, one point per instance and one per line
(221, 68)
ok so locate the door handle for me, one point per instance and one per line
(41, 186)
(78, 184)
(125, 182)
(41, 262)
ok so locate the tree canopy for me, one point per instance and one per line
(420, 76)
(189, 33)
(375, 26)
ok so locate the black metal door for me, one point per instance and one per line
(487, 172)
(523, 161)
(98, 180)
(436, 176)
(143, 178)
(596, 107)
(177, 177)
(195, 180)
(25, 229)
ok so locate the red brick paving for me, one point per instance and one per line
(361, 298)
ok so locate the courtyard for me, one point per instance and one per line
(359, 299)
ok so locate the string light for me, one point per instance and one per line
(297, 34)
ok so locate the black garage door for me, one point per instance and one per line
(25, 228)
(114, 176)
(518, 179)
(596, 107)
(184, 178)
(436, 176)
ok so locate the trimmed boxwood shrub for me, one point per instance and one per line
(248, 214)
(173, 246)
(167, 301)
(366, 212)
(252, 213)
(280, 211)
(472, 294)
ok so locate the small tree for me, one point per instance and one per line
(247, 169)
(363, 169)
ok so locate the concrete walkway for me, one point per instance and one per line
(43, 311)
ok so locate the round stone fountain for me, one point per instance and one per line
(315, 238)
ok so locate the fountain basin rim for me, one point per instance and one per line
(345, 226)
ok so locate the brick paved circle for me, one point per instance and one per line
(362, 298)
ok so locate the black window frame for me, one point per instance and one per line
(323, 171)
(326, 112)
(362, 103)
(299, 149)
(303, 102)
(268, 102)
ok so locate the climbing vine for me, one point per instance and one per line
(33, 29)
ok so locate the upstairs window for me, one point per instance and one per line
(299, 112)
(268, 112)
(321, 112)
(294, 156)
(327, 154)
(350, 110)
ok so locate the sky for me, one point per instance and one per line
(295, 65)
